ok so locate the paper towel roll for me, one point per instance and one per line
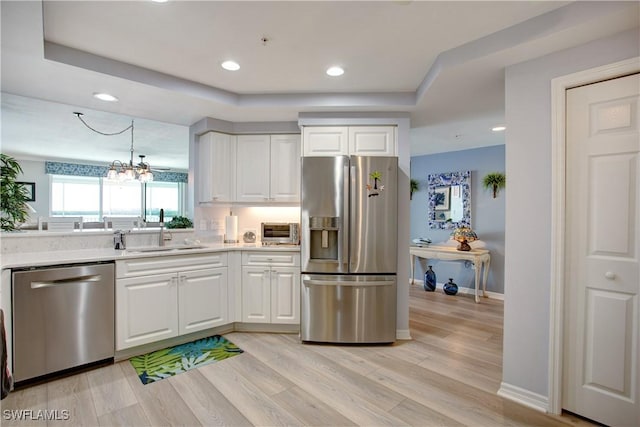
(231, 229)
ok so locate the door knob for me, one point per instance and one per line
(610, 275)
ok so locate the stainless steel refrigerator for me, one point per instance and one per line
(349, 249)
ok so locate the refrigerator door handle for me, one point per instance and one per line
(312, 282)
(345, 219)
(353, 213)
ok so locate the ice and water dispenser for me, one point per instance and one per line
(323, 238)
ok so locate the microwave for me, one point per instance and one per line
(280, 233)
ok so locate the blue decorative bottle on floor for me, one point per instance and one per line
(450, 288)
(430, 280)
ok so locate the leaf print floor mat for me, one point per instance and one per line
(167, 362)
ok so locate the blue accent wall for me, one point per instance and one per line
(487, 213)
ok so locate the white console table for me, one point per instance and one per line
(480, 258)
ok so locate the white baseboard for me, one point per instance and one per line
(403, 334)
(463, 290)
(524, 397)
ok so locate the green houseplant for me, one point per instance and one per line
(13, 196)
(494, 181)
(414, 187)
(180, 222)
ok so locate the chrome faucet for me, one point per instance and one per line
(119, 241)
(161, 236)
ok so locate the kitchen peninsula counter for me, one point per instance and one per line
(77, 256)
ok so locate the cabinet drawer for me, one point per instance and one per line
(271, 258)
(169, 263)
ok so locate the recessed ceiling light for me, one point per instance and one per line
(105, 97)
(335, 71)
(230, 65)
(159, 1)
(498, 128)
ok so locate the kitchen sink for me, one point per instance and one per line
(164, 248)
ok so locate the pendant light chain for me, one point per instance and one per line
(79, 115)
(127, 172)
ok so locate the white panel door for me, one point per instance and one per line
(285, 168)
(146, 309)
(202, 298)
(216, 167)
(325, 140)
(222, 167)
(256, 295)
(204, 173)
(285, 295)
(601, 358)
(372, 141)
(252, 168)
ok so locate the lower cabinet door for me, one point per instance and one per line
(202, 296)
(146, 309)
(285, 295)
(256, 295)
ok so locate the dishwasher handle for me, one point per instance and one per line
(66, 281)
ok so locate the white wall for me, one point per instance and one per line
(528, 205)
(487, 213)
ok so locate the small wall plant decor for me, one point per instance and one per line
(494, 181)
(414, 187)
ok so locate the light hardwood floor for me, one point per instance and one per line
(447, 375)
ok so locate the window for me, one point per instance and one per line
(93, 198)
(121, 198)
(163, 195)
(73, 196)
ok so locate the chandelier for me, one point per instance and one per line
(123, 170)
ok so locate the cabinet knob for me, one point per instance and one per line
(610, 275)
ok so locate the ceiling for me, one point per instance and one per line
(443, 62)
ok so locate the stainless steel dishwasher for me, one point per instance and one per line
(63, 317)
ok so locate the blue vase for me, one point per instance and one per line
(450, 288)
(430, 280)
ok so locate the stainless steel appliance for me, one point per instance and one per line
(63, 317)
(348, 249)
(280, 233)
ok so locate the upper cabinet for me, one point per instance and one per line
(325, 141)
(253, 168)
(248, 168)
(216, 173)
(349, 140)
(268, 168)
(284, 179)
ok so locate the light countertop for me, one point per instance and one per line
(45, 258)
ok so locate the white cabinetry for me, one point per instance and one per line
(253, 168)
(268, 168)
(216, 161)
(284, 179)
(349, 140)
(325, 141)
(271, 287)
(163, 297)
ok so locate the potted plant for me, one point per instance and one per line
(13, 196)
(180, 222)
(494, 181)
(414, 187)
